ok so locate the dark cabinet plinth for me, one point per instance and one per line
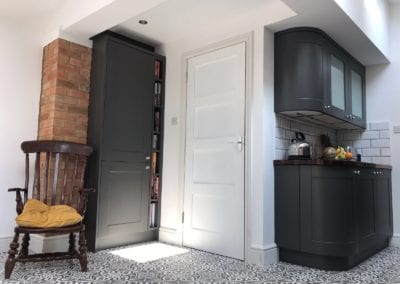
(331, 217)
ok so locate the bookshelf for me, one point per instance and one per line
(156, 144)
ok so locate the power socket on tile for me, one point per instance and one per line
(396, 129)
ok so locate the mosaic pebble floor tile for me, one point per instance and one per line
(196, 266)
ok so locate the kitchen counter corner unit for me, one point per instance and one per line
(331, 214)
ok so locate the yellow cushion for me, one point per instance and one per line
(36, 214)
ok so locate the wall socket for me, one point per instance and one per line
(174, 120)
(396, 129)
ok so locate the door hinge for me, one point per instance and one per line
(183, 217)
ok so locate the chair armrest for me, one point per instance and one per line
(17, 189)
(18, 198)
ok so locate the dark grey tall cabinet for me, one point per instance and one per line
(120, 128)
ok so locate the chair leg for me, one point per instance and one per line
(82, 250)
(10, 262)
(25, 245)
(71, 248)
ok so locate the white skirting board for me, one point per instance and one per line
(262, 255)
(395, 241)
(170, 236)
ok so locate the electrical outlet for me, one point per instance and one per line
(396, 129)
(174, 120)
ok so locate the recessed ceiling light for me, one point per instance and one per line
(143, 22)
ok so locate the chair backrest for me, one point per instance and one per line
(59, 171)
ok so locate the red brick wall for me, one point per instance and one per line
(64, 97)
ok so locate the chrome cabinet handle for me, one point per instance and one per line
(147, 168)
(356, 172)
(147, 158)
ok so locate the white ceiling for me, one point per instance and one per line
(18, 9)
(176, 19)
(329, 17)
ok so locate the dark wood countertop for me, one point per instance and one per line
(340, 163)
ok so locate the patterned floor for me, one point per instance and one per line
(201, 267)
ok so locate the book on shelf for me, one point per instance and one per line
(157, 70)
(153, 163)
(155, 183)
(157, 121)
(154, 143)
(152, 215)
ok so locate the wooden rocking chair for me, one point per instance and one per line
(58, 179)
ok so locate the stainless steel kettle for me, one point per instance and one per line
(299, 148)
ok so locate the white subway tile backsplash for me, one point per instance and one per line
(281, 144)
(384, 134)
(381, 160)
(280, 133)
(370, 135)
(362, 144)
(366, 159)
(373, 144)
(380, 143)
(371, 152)
(285, 131)
(280, 154)
(385, 152)
(382, 125)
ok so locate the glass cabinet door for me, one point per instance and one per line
(337, 83)
(356, 94)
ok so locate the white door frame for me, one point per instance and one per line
(248, 40)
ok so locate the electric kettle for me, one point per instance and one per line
(299, 148)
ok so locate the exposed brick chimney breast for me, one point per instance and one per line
(64, 97)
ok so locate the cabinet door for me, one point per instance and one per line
(123, 201)
(356, 94)
(327, 215)
(299, 71)
(364, 207)
(128, 104)
(335, 99)
(383, 203)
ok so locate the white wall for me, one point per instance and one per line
(260, 227)
(372, 17)
(383, 104)
(20, 73)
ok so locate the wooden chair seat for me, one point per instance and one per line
(58, 179)
(58, 230)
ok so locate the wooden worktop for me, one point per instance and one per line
(336, 163)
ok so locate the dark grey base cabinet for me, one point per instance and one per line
(120, 128)
(331, 217)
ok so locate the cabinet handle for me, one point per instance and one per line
(147, 168)
(356, 172)
(327, 107)
(147, 158)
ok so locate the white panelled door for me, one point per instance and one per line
(214, 161)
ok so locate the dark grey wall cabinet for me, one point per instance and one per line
(331, 217)
(318, 81)
(121, 120)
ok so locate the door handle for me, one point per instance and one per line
(239, 142)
